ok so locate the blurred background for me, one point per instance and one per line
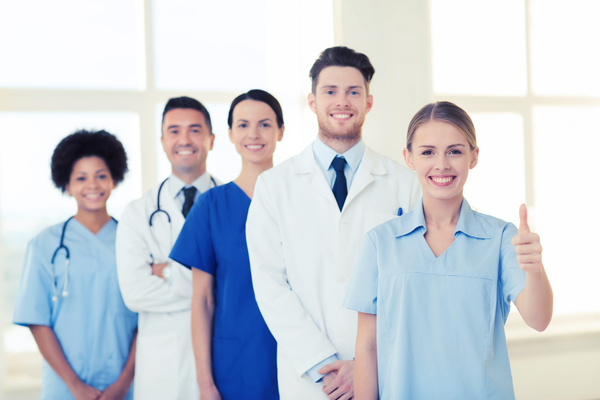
(525, 70)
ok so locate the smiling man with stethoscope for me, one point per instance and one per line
(157, 288)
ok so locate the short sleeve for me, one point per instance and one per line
(194, 245)
(512, 277)
(361, 295)
(33, 305)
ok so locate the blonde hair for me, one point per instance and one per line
(443, 111)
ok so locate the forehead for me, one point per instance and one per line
(253, 109)
(438, 133)
(184, 116)
(341, 77)
(89, 162)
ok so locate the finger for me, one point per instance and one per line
(328, 368)
(523, 225)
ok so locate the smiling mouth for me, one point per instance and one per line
(185, 152)
(93, 196)
(342, 117)
(254, 146)
(442, 180)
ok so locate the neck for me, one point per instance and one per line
(339, 145)
(441, 212)
(249, 174)
(93, 220)
(188, 176)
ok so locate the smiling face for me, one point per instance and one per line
(186, 140)
(254, 132)
(341, 102)
(90, 184)
(442, 158)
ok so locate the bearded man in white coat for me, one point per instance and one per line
(303, 239)
(156, 287)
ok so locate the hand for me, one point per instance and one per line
(157, 269)
(338, 380)
(83, 391)
(527, 245)
(114, 392)
(210, 393)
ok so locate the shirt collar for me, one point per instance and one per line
(467, 222)
(175, 185)
(325, 154)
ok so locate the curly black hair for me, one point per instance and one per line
(87, 144)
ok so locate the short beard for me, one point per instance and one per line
(353, 134)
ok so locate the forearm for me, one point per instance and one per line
(53, 353)
(203, 311)
(536, 301)
(365, 365)
(126, 376)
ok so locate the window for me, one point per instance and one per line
(526, 71)
(111, 64)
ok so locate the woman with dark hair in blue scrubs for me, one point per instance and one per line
(234, 351)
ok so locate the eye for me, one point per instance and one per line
(427, 152)
(80, 178)
(265, 125)
(173, 131)
(354, 93)
(102, 176)
(329, 92)
(243, 125)
(455, 152)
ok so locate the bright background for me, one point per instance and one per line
(526, 71)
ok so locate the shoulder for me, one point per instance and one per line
(494, 226)
(391, 166)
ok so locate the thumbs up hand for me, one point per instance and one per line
(527, 245)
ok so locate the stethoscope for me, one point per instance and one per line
(62, 246)
(160, 210)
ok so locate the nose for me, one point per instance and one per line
(441, 162)
(342, 100)
(185, 137)
(253, 134)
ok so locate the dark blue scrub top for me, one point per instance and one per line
(213, 239)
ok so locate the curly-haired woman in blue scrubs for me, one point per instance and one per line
(433, 288)
(234, 350)
(69, 296)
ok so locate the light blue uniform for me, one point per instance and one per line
(92, 324)
(440, 321)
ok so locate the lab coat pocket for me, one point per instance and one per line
(228, 368)
(155, 356)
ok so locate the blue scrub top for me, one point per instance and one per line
(213, 239)
(440, 321)
(92, 324)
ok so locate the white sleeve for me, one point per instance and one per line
(142, 291)
(298, 337)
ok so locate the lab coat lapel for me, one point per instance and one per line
(305, 164)
(370, 166)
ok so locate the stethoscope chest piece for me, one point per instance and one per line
(65, 290)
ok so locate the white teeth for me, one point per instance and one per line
(185, 152)
(341, 116)
(442, 180)
(92, 196)
(254, 146)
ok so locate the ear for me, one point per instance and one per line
(312, 102)
(408, 158)
(369, 102)
(474, 158)
(280, 134)
(230, 136)
(212, 141)
(68, 190)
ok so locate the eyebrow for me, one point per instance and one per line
(179, 126)
(245, 120)
(449, 147)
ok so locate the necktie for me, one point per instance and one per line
(189, 194)
(340, 189)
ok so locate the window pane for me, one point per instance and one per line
(566, 215)
(92, 44)
(479, 47)
(564, 47)
(496, 186)
(237, 45)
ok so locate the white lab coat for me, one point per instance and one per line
(303, 251)
(164, 363)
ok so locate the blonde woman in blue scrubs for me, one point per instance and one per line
(433, 288)
(234, 350)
